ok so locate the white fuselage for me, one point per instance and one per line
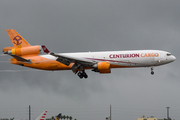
(134, 58)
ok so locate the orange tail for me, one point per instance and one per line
(20, 46)
(17, 40)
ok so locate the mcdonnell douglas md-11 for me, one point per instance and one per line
(40, 57)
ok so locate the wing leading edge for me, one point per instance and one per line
(79, 63)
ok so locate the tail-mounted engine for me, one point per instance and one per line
(24, 50)
(102, 67)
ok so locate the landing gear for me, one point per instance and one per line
(79, 70)
(152, 72)
(82, 74)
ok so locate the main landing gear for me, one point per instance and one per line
(79, 70)
(82, 74)
(152, 72)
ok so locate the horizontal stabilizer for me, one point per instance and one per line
(21, 59)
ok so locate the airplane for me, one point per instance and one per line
(42, 116)
(39, 57)
(58, 116)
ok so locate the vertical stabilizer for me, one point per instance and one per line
(16, 39)
(42, 116)
(58, 116)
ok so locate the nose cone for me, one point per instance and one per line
(173, 58)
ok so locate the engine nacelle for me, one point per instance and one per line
(102, 67)
(25, 50)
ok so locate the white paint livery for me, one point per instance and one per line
(42, 116)
(116, 59)
(31, 56)
(163, 57)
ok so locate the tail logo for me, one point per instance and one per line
(17, 40)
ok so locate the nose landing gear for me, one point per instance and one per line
(152, 72)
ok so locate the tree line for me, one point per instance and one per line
(61, 117)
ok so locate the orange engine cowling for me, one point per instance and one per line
(25, 50)
(102, 67)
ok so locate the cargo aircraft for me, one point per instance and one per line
(40, 57)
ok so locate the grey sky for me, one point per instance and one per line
(91, 25)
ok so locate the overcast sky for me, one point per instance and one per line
(91, 25)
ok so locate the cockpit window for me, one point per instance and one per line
(168, 54)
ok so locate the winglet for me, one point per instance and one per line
(45, 49)
(42, 116)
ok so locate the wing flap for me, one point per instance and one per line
(68, 59)
(62, 59)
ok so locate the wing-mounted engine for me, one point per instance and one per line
(24, 50)
(102, 67)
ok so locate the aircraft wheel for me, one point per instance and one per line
(152, 68)
(80, 75)
(84, 75)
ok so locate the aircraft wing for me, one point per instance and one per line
(67, 60)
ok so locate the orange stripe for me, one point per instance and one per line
(39, 62)
(120, 66)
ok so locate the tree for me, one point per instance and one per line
(70, 118)
(167, 119)
(48, 118)
(52, 118)
(61, 117)
(67, 117)
(64, 117)
(12, 118)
